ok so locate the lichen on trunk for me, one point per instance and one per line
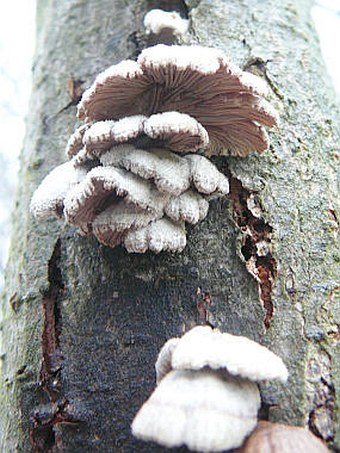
(103, 314)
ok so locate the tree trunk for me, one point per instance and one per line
(82, 324)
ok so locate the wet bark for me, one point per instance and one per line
(82, 324)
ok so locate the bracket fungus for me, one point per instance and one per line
(195, 80)
(118, 191)
(206, 396)
(48, 199)
(135, 166)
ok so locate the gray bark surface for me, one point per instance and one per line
(82, 324)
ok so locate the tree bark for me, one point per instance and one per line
(82, 324)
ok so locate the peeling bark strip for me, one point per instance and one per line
(256, 248)
(52, 359)
(44, 417)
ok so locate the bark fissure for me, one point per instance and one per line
(49, 412)
(256, 242)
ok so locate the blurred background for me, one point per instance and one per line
(17, 33)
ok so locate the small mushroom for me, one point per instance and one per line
(205, 176)
(189, 206)
(205, 399)
(195, 80)
(207, 411)
(205, 347)
(111, 225)
(160, 235)
(168, 24)
(104, 186)
(169, 171)
(276, 438)
(48, 199)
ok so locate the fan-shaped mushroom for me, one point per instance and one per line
(48, 199)
(75, 142)
(205, 396)
(204, 347)
(170, 172)
(104, 186)
(195, 80)
(102, 135)
(160, 235)
(205, 176)
(176, 131)
(207, 411)
(190, 207)
(111, 225)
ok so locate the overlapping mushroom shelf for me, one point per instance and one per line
(124, 194)
(136, 173)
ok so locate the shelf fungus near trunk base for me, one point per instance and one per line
(136, 170)
(206, 396)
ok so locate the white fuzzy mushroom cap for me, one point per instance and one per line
(160, 235)
(104, 186)
(111, 225)
(102, 135)
(207, 411)
(205, 176)
(204, 347)
(170, 172)
(204, 60)
(75, 142)
(157, 20)
(49, 197)
(190, 207)
(176, 131)
(179, 131)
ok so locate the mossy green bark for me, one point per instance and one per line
(115, 310)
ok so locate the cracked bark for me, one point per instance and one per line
(113, 311)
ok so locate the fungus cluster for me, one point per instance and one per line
(206, 396)
(136, 173)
